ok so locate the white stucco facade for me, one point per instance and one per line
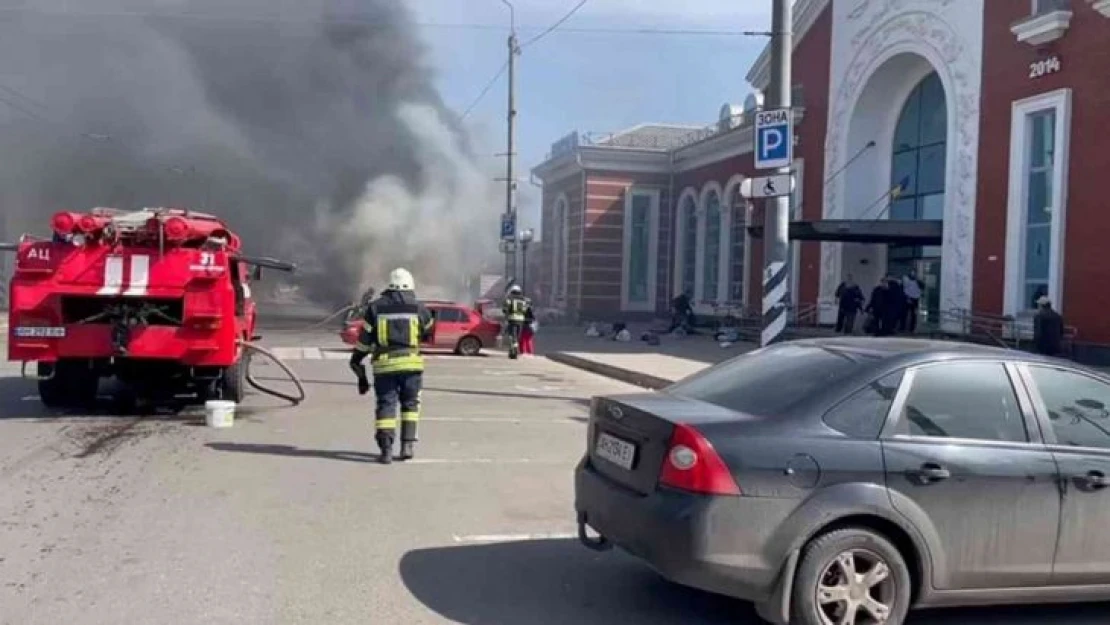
(881, 50)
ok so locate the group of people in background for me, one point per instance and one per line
(892, 308)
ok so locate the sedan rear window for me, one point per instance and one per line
(769, 381)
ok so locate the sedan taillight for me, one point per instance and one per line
(692, 465)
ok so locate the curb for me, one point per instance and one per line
(628, 376)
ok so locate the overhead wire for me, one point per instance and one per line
(486, 89)
(556, 25)
(505, 65)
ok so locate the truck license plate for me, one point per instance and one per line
(613, 449)
(27, 332)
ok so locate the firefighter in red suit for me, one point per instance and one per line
(394, 326)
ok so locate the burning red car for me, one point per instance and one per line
(461, 328)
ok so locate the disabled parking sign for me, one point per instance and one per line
(774, 139)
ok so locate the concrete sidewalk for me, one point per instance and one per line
(635, 362)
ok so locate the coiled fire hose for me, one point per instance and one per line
(249, 350)
(258, 349)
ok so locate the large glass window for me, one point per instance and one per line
(1047, 6)
(919, 159)
(1039, 204)
(739, 207)
(639, 252)
(711, 263)
(917, 173)
(688, 230)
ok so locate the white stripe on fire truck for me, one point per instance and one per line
(140, 275)
(113, 276)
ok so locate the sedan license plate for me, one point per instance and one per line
(615, 450)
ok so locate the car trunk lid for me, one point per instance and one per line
(629, 435)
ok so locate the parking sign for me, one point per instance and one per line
(508, 227)
(774, 139)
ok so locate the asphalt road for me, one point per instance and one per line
(285, 518)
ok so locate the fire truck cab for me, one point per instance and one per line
(158, 298)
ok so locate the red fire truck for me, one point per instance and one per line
(158, 298)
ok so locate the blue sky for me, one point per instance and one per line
(590, 82)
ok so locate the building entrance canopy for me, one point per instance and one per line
(892, 231)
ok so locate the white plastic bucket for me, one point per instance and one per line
(219, 413)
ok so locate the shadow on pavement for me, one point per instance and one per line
(459, 391)
(294, 452)
(554, 582)
(456, 391)
(12, 405)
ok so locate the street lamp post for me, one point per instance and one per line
(525, 237)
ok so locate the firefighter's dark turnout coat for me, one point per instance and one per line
(393, 328)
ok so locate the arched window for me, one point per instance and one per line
(687, 244)
(738, 204)
(559, 252)
(920, 142)
(711, 261)
(918, 167)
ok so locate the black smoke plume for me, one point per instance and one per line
(314, 127)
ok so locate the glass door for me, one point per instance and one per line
(928, 271)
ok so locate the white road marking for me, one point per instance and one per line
(563, 421)
(331, 354)
(507, 538)
(313, 353)
(538, 389)
(32, 398)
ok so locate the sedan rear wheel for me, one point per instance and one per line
(469, 346)
(852, 577)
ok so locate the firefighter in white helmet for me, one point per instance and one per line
(394, 326)
(516, 309)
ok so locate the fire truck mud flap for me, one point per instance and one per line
(37, 377)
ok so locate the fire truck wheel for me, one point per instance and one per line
(73, 384)
(233, 386)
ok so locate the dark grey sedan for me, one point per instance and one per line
(845, 481)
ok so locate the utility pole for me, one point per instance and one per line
(510, 155)
(776, 215)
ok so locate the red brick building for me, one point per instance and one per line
(967, 130)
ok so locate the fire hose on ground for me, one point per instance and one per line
(254, 348)
(250, 349)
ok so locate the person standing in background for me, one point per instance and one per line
(878, 309)
(912, 287)
(1048, 328)
(528, 333)
(849, 299)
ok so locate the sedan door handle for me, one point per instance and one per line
(929, 473)
(1094, 480)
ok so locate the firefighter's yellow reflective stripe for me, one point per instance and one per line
(386, 424)
(410, 417)
(383, 330)
(414, 332)
(406, 365)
